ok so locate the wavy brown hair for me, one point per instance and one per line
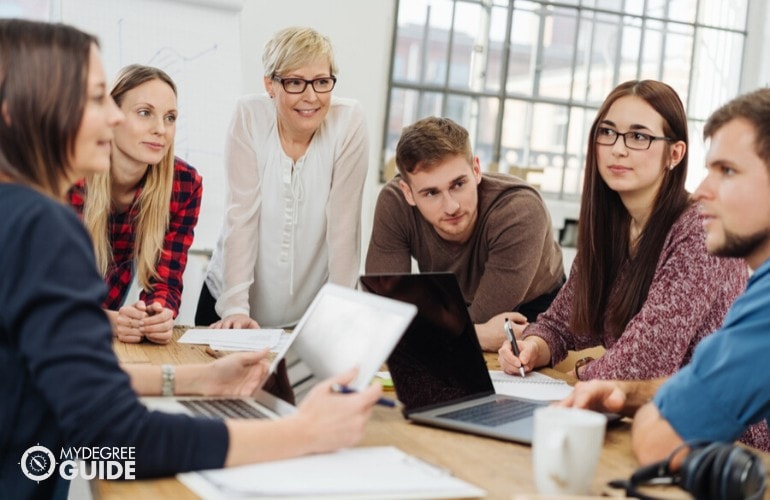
(604, 224)
(429, 141)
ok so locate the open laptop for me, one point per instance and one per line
(348, 328)
(340, 329)
(438, 368)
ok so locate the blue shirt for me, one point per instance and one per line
(60, 383)
(726, 386)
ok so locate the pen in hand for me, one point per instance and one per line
(343, 389)
(514, 345)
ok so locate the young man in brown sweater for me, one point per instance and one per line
(492, 231)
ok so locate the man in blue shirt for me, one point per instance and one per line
(724, 389)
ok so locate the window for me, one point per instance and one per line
(526, 77)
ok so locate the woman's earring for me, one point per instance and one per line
(671, 167)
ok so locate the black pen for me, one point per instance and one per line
(343, 389)
(514, 345)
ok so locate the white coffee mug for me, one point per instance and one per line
(565, 449)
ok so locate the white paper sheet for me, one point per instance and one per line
(369, 472)
(234, 340)
(534, 386)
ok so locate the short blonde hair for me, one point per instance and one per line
(292, 48)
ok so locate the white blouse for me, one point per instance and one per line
(289, 227)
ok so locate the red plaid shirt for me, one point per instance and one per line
(183, 210)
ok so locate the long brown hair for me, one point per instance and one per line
(43, 82)
(154, 200)
(604, 224)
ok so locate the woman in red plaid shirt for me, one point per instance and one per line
(142, 213)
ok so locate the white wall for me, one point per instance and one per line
(361, 33)
(756, 63)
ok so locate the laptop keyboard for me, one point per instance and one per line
(223, 408)
(493, 413)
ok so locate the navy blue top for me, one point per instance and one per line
(725, 387)
(60, 383)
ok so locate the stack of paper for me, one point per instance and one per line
(375, 472)
(235, 339)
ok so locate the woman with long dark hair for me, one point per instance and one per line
(642, 284)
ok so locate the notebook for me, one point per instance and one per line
(340, 329)
(534, 386)
(438, 368)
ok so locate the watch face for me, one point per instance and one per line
(38, 463)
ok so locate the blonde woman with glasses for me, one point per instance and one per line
(296, 161)
(142, 212)
(62, 386)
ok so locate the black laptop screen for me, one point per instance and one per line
(438, 359)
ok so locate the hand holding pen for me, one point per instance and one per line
(514, 344)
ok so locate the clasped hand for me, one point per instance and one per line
(132, 323)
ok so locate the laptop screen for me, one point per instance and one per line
(438, 360)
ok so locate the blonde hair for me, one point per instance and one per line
(152, 220)
(292, 48)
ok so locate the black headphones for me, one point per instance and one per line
(710, 471)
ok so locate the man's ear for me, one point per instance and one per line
(476, 169)
(407, 192)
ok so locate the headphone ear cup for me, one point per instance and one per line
(722, 472)
(695, 472)
(744, 475)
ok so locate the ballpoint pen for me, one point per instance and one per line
(514, 345)
(343, 389)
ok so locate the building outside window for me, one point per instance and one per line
(526, 77)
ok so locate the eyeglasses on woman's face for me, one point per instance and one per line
(633, 140)
(298, 85)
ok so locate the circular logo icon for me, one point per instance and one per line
(38, 463)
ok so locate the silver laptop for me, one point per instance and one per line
(262, 406)
(438, 369)
(347, 328)
(341, 328)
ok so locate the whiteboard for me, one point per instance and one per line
(197, 42)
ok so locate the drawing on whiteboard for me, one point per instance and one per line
(200, 50)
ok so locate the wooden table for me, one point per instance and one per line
(503, 469)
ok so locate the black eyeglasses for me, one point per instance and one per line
(633, 140)
(298, 85)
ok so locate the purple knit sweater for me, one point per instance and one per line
(687, 300)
